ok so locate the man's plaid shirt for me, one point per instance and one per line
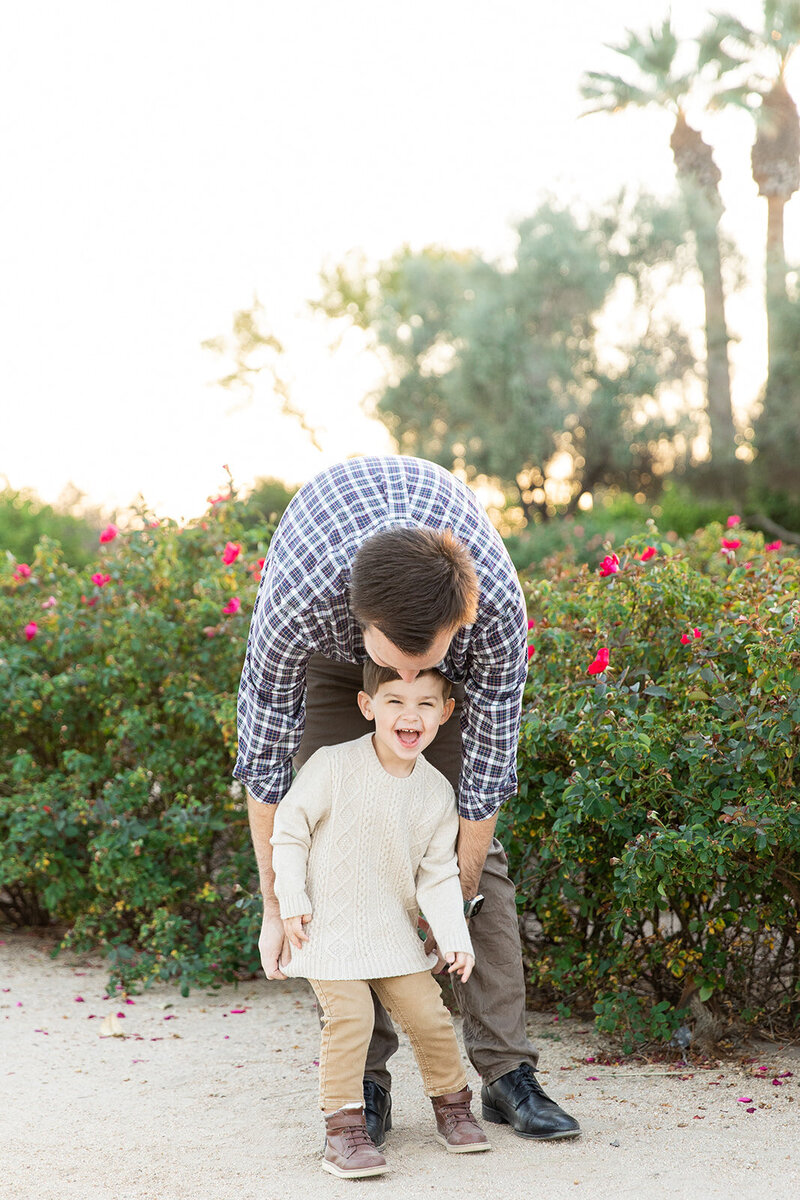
(302, 609)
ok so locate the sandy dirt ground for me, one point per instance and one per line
(214, 1097)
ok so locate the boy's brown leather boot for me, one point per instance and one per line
(349, 1151)
(456, 1128)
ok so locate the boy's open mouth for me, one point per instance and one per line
(409, 737)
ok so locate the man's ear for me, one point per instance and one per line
(447, 713)
(365, 704)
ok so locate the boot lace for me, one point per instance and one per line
(454, 1114)
(355, 1136)
(528, 1083)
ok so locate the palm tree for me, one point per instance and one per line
(753, 63)
(652, 79)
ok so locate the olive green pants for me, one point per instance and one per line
(492, 1001)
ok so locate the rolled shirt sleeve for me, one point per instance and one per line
(490, 720)
(271, 703)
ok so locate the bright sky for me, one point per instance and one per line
(163, 163)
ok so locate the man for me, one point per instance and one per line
(393, 558)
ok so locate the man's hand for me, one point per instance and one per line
(460, 964)
(293, 928)
(273, 946)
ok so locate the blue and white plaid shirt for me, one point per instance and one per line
(302, 609)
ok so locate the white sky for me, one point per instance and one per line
(162, 162)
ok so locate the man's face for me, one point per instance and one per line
(408, 666)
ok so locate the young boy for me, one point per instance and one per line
(363, 840)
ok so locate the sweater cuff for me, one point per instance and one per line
(455, 940)
(294, 904)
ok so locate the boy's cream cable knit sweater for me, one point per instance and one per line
(361, 851)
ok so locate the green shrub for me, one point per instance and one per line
(656, 831)
(657, 828)
(118, 815)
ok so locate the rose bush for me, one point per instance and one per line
(119, 819)
(657, 827)
(656, 831)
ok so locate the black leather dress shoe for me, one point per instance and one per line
(517, 1099)
(377, 1112)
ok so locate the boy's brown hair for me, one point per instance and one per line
(413, 584)
(375, 677)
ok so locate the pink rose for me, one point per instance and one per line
(774, 545)
(31, 629)
(733, 521)
(609, 565)
(648, 553)
(109, 533)
(231, 552)
(601, 661)
(99, 579)
(22, 571)
(731, 543)
(233, 605)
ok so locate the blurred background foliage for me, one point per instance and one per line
(583, 384)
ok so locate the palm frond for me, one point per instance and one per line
(710, 51)
(654, 51)
(612, 92)
(738, 96)
(782, 18)
(725, 26)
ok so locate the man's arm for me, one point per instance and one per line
(474, 840)
(272, 943)
(490, 719)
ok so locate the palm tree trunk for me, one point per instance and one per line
(775, 161)
(718, 382)
(699, 178)
(776, 268)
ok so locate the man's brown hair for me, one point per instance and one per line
(375, 677)
(413, 584)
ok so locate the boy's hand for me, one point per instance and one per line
(460, 964)
(293, 928)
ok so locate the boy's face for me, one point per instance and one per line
(407, 717)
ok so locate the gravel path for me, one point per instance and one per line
(213, 1097)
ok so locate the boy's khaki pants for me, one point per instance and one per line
(415, 1002)
(492, 1002)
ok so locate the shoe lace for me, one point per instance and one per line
(528, 1083)
(454, 1114)
(355, 1136)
